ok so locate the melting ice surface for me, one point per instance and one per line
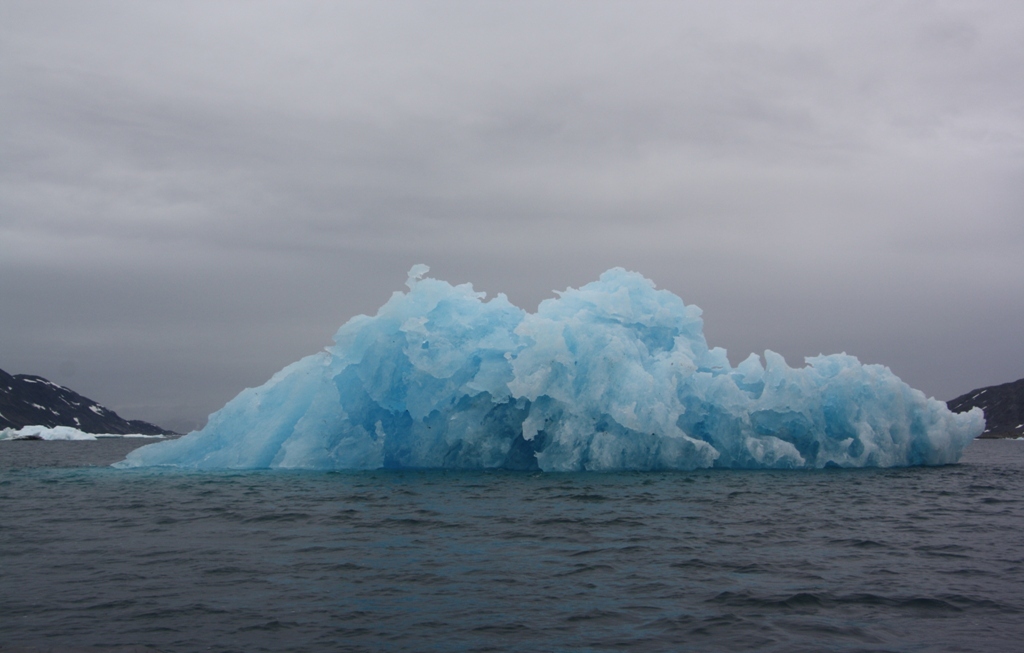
(615, 375)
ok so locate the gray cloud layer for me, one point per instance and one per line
(194, 195)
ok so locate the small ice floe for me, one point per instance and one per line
(61, 433)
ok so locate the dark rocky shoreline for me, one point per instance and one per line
(1003, 405)
(29, 400)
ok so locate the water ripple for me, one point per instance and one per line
(875, 560)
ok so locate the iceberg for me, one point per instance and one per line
(615, 375)
(62, 433)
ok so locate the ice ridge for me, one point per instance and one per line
(614, 375)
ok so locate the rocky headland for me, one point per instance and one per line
(1003, 406)
(28, 400)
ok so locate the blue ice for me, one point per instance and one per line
(615, 375)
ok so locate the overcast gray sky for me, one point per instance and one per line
(193, 195)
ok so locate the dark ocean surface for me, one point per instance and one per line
(919, 559)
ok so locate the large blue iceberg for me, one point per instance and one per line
(615, 375)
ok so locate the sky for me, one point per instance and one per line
(195, 194)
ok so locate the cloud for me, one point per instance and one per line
(817, 176)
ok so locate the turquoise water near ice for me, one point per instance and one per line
(909, 559)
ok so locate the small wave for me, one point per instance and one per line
(278, 517)
(858, 543)
(270, 626)
(584, 569)
(953, 603)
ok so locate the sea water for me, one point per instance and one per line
(908, 559)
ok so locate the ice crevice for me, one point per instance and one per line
(614, 375)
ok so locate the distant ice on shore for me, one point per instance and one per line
(615, 375)
(62, 433)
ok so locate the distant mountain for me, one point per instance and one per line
(27, 400)
(1003, 406)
